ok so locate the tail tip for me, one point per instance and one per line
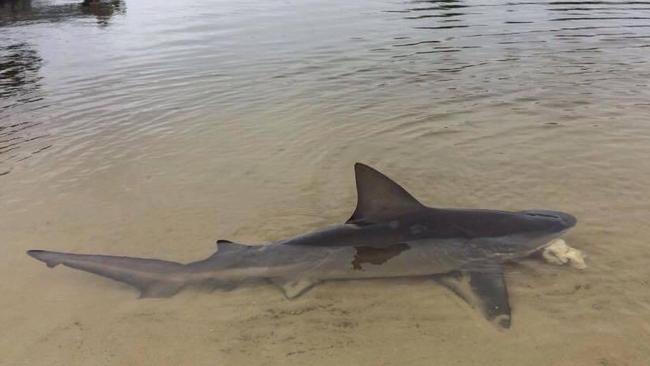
(42, 255)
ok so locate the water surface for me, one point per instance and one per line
(150, 128)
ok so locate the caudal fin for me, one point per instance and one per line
(152, 277)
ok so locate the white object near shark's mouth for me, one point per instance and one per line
(560, 253)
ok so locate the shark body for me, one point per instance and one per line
(390, 234)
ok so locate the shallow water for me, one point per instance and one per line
(151, 129)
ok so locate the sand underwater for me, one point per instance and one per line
(155, 129)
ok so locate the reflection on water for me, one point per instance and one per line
(103, 10)
(156, 131)
(16, 12)
(19, 65)
(20, 77)
(19, 84)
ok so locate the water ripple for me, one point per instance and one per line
(148, 72)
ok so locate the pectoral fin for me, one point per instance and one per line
(484, 290)
(490, 289)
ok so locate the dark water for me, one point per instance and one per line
(150, 128)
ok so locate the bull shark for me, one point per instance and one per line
(390, 234)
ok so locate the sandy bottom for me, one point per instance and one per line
(561, 316)
(164, 126)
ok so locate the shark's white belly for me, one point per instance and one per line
(401, 260)
(291, 262)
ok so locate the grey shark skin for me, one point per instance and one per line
(390, 234)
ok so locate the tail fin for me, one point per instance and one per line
(153, 277)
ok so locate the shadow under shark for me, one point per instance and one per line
(390, 234)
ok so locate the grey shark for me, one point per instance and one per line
(390, 234)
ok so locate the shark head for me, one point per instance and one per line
(549, 221)
(539, 227)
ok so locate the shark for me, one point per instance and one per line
(390, 234)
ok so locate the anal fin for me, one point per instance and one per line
(160, 289)
(292, 288)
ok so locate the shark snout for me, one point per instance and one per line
(566, 220)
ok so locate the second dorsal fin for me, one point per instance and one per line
(378, 197)
(227, 246)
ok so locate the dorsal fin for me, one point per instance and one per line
(227, 246)
(378, 197)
